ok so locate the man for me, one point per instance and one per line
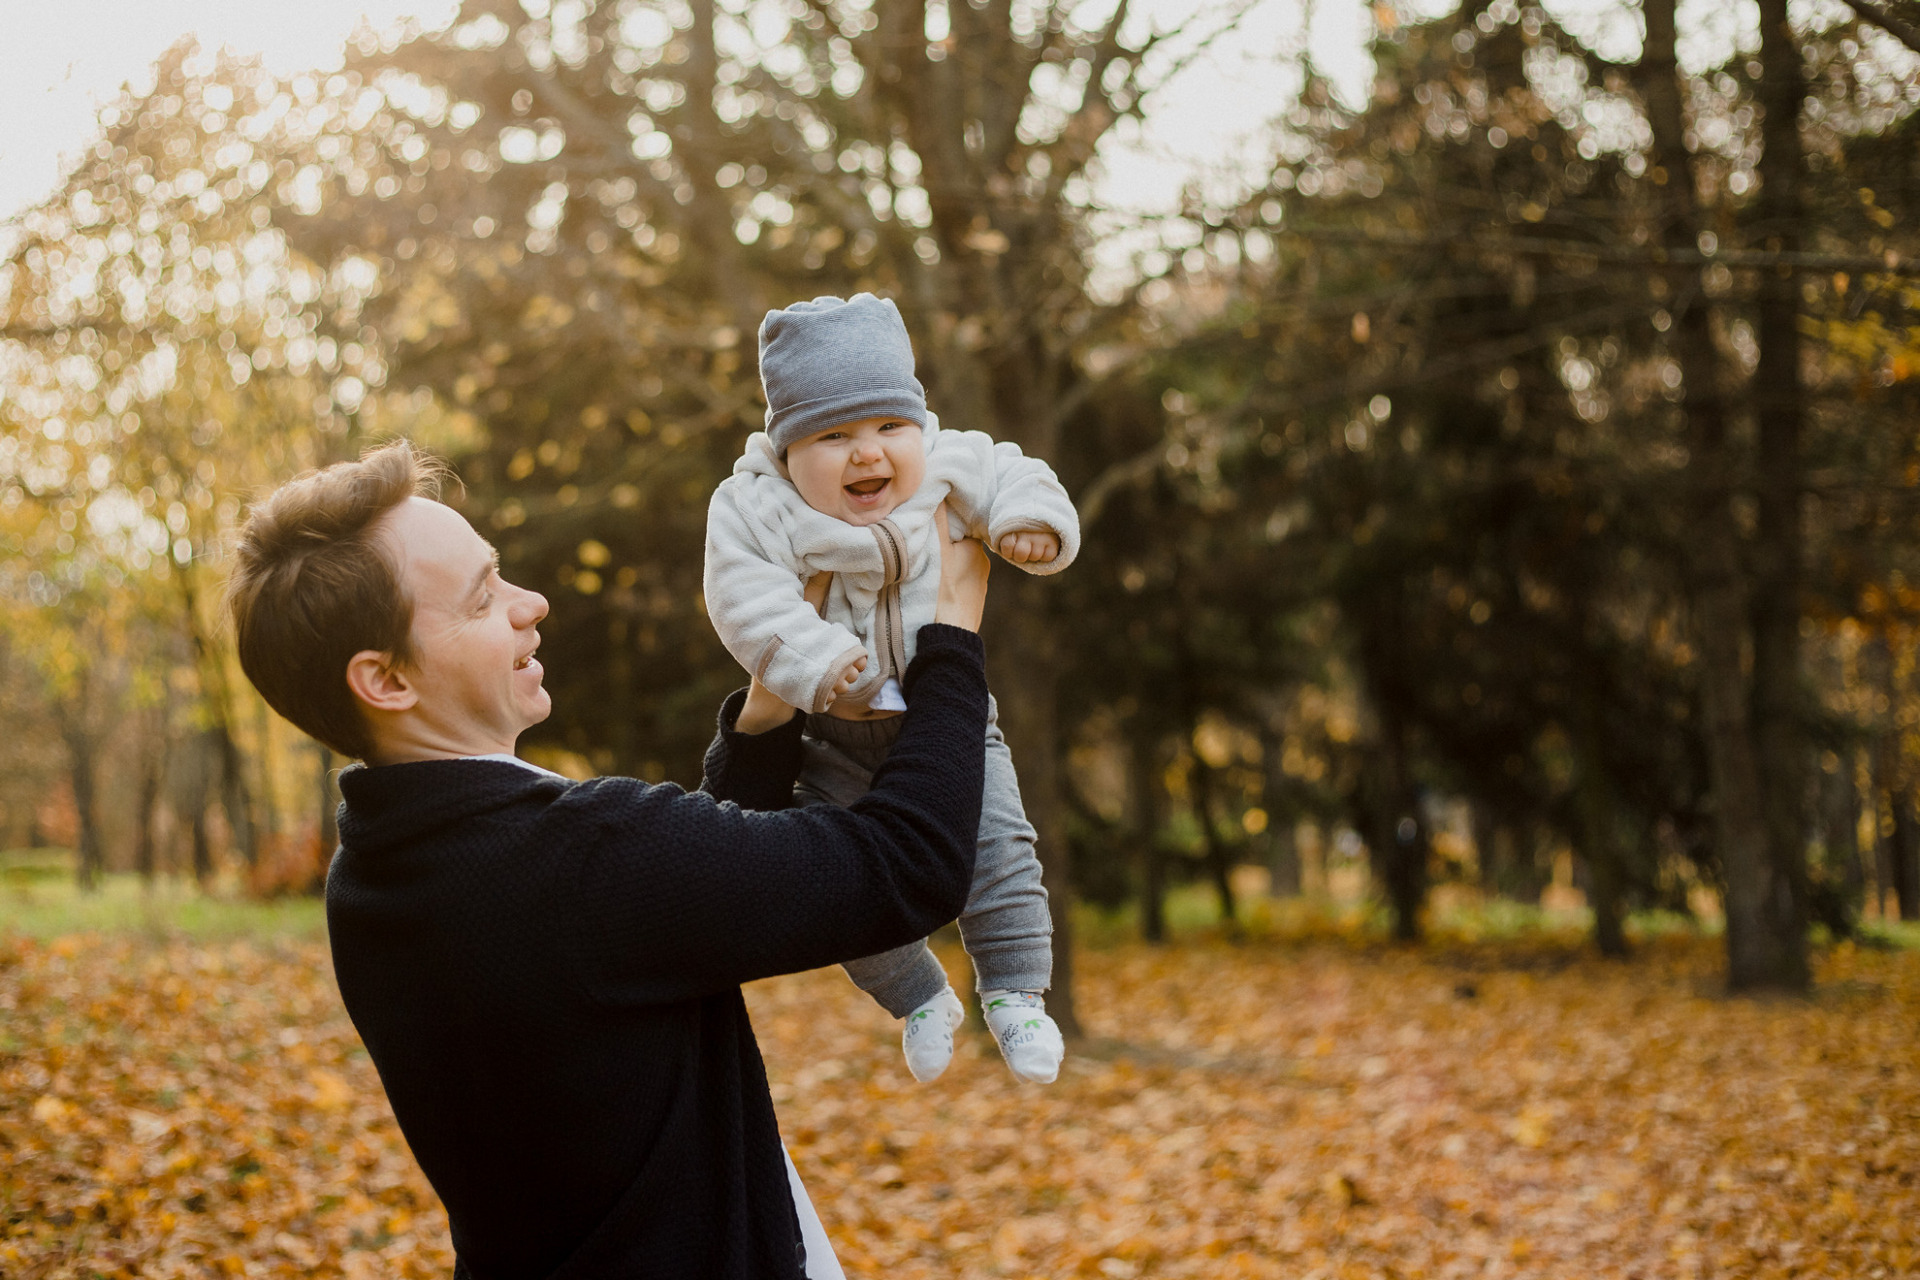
(546, 973)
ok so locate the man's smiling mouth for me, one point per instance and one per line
(526, 660)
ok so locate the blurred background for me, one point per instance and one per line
(1496, 429)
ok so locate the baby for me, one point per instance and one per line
(853, 478)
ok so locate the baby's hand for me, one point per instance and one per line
(847, 677)
(1029, 548)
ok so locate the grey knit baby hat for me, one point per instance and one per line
(836, 360)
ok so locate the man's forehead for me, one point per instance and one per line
(433, 544)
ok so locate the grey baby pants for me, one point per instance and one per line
(1005, 927)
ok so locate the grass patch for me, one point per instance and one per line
(1193, 914)
(51, 906)
(1900, 935)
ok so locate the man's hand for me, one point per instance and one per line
(763, 710)
(1037, 547)
(963, 578)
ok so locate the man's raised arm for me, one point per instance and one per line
(681, 897)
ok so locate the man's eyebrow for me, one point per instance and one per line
(486, 571)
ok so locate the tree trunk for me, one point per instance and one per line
(1883, 762)
(1760, 951)
(202, 849)
(152, 772)
(1486, 834)
(1600, 843)
(1396, 836)
(711, 208)
(89, 860)
(1903, 855)
(1284, 878)
(263, 732)
(1283, 844)
(1780, 413)
(1511, 870)
(1146, 786)
(1841, 833)
(1883, 855)
(213, 676)
(1600, 850)
(234, 798)
(1219, 856)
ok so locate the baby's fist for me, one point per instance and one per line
(848, 676)
(1029, 548)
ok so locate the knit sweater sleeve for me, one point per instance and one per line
(754, 770)
(677, 896)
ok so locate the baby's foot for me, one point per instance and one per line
(927, 1039)
(1028, 1040)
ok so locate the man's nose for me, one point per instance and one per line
(528, 609)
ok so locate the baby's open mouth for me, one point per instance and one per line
(867, 488)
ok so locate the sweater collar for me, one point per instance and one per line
(396, 804)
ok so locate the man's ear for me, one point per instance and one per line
(379, 682)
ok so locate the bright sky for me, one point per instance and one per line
(61, 59)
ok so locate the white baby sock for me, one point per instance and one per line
(927, 1039)
(1027, 1037)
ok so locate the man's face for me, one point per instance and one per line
(473, 632)
(859, 471)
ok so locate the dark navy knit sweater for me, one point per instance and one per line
(547, 975)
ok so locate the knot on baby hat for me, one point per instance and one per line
(836, 360)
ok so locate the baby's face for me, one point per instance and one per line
(859, 471)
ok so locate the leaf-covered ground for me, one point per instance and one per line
(194, 1108)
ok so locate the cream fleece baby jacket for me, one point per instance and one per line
(764, 542)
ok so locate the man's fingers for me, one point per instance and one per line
(815, 592)
(963, 583)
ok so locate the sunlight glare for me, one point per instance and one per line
(61, 62)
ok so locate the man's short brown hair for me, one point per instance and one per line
(312, 586)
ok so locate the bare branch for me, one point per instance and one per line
(1889, 263)
(1121, 475)
(1904, 28)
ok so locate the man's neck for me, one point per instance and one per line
(406, 744)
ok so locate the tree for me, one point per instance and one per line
(603, 200)
(160, 368)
